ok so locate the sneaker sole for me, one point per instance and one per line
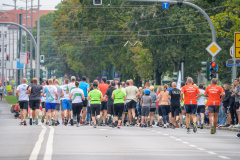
(212, 130)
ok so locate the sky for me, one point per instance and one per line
(45, 4)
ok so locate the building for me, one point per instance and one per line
(10, 35)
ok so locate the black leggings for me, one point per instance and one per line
(76, 108)
(118, 110)
(95, 109)
(165, 111)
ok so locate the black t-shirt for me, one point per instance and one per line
(35, 92)
(175, 96)
(109, 94)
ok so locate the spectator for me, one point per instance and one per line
(16, 111)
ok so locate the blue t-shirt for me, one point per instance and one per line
(84, 86)
(169, 89)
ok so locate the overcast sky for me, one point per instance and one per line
(45, 4)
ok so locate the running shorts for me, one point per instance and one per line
(34, 104)
(213, 109)
(66, 104)
(201, 109)
(132, 104)
(50, 106)
(191, 108)
(23, 104)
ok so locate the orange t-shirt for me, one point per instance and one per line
(103, 88)
(214, 93)
(190, 94)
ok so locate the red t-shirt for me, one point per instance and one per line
(214, 92)
(158, 102)
(16, 108)
(190, 94)
(103, 88)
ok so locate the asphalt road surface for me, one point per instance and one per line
(104, 143)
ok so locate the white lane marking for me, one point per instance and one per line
(165, 134)
(102, 129)
(49, 147)
(224, 157)
(38, 144)
(185, 142)
(210, 152)
(201, 149)
(172, 137)
(193, 146)
(178, 139)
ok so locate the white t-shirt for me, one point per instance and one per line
(201, 100)
(66, 96)
(131, 93)
(70, 86)
(77, 95)
(22, 95)
(50, 93)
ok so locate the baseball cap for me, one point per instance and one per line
(73, 78)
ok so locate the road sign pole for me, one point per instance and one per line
(234, 68)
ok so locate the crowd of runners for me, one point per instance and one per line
(119, 104)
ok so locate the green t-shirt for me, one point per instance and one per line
(118, 96)
(95, 96)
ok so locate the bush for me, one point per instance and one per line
(11, 99)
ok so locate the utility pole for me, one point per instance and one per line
(26, 43)
(2, 49)
(31, 50)
(38, 44)
(20, 44)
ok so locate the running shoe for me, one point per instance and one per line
(201, 126)
(173, 126)
(30, 121)
(188, 131)
(47, 123)
(24, 122)
(212, 130)
(33, 123)
(65, 122)
(150, 125)
(98, 121)
(198, 126)
(83, 122)
(194, 127)
(127, 124)
(177, 125)
(118, 126)
(215, 132)
(42, 120)
(145, 125)
(170, 125)
(94, 126)
(134, 121)
(78, 124)
(103, 124)
(164, 126)
(153, 122)
(237, 126)
(131, 125)
(50, 123)
(53, 122)
(238, 135)
(110, 125)
(227, 125)
(71, 121)
(142, 125)
(21, 123)
(36, 120)
(158, 124)
(56, 123)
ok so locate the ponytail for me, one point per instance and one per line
(165, 87)
(77, 84)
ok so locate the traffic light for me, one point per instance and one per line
(42, 58)
(205, 69)
(7, 57)
(97, 2)
(175, 76)
(213, 70)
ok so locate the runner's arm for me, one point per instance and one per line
(222, 95)
(70, 97)
(113, 96)
(62, 94)
(181, 97)
(83, 97)
(88, 98)
(56, 94)
(17, 93)
(125, 98)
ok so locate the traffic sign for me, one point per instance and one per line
(104, 74)
(165, 5)
(231, 51)
(237, 44)
(99, 79)
(116, 75)
(230, 63)
(213, 49)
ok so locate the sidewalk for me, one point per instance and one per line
(5, 112)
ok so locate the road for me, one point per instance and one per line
(104, 143)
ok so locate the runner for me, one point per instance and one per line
(110, 111)
(159, 110)
(153, 107)
(174, 95)
(226, 104)
(50, 92)
(213, 93)
(23, 100)
(34, 99)
(95, 96)
(182, 115)
(119, 96)
(201, 107)
(103, 87)
(85, 87)
(165, 105)
(146, 103)
(191, 94)
(132, 92)
(76, 96)
(237, 99)
(43, 103)
(1, 91)
(71, 86)
(66, 103)
(60, 94)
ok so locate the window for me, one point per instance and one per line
(5, 48)
(5, 34)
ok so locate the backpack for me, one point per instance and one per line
(12, 109)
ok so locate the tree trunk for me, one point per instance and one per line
(158, 77)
